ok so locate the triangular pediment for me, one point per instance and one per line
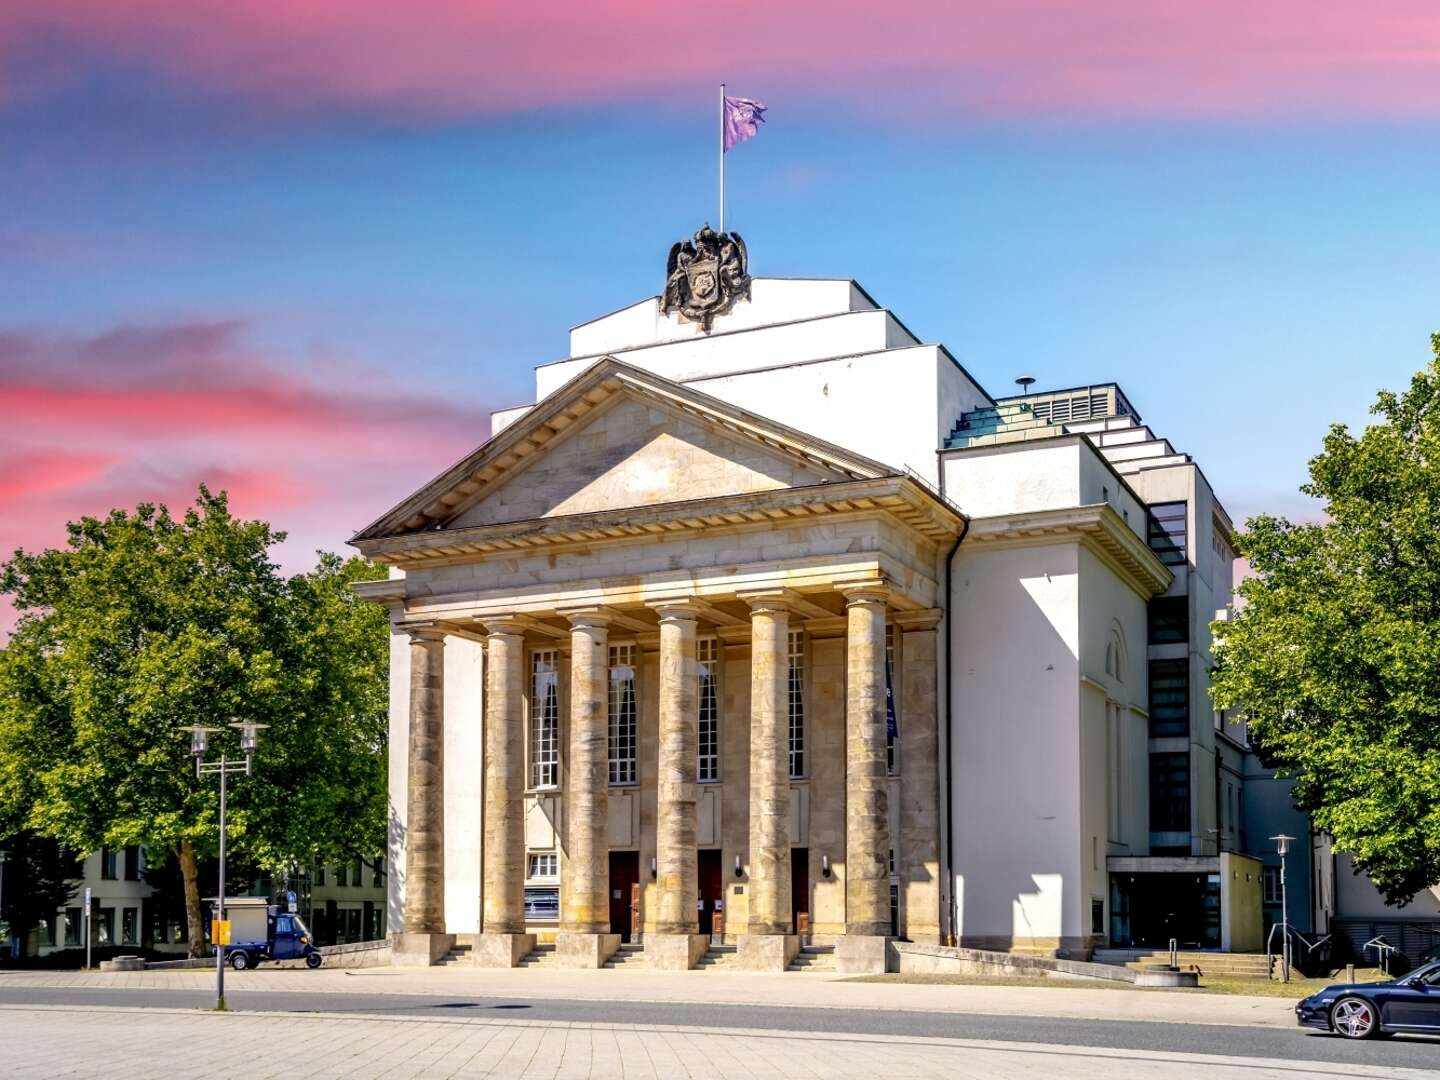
(616, 437)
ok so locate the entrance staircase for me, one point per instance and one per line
(540, 956)
(719, 956)
(1218, 965)
(814, 958)
(632, 954)
(459, 954)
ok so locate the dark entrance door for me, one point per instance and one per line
(799, 886)
(624, 875)
(710, 895)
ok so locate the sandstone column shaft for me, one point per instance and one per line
(425, 780)
(769, 770)
(586, 879)
(675, 826)
(919, 785)
(867, 813)
(504, 848)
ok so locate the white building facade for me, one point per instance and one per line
(786, 626)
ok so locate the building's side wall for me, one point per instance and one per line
(1017, 848)
(1014, 478)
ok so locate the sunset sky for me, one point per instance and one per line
(300, 250)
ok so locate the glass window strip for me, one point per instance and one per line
(891, 762)
(797, 704)
(708, 759)
(622, 714)
(544, 720)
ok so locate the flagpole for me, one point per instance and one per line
(722, 157)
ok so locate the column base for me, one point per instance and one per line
(501, 950)
(420, 950)
(581, 950)
(861, 954)
(675, 952)
(767, 952)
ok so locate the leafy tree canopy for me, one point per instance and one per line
(147, 623)
(1333, 655)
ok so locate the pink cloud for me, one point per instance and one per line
(985, 57)
(147, 413)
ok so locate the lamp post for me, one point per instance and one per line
(1282, 848)
(199, 741)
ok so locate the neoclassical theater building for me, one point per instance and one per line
(766, 625)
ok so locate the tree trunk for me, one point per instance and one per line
(191, 873)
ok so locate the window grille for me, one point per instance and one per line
(1167, 533)
(544, 720)
(708, 764)
(544, 865)
(797, 704)
(622, 714)
(891, 737)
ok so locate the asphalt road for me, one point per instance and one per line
(1296, 1045)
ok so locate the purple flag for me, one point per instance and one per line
(743, 118)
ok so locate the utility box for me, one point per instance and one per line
(248, 917)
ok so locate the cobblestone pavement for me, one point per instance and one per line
(124, 1043)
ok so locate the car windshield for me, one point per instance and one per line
(1430, 976)
(300, 927)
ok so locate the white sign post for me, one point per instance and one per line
(87, 926)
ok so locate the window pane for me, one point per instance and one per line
(544, 720)
(622, 714)
(1170, 792)
(797, 704)
(1167, 532)
(1169, 620)
(1169, 698)
(892, 726)
(708, 764)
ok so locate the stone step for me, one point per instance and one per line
(457, 954)
(540, 956)
(719, 956)
(627, 954)
(814, 958)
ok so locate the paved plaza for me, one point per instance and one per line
(124, 1043)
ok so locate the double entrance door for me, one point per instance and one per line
(625, 888)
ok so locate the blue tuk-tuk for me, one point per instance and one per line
(286, 938)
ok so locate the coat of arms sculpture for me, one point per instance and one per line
(705, 276)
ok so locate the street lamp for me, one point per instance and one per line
(1282, 848)
(199, 743)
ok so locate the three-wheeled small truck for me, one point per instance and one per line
(261, 931)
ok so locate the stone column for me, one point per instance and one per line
(503, 941)
(867, 810)
(918, 860)
(676, 943)
(769, 942)
(585, 940)
(423, 940)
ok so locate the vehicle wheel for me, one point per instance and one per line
(1354, 1018)
(239, 961)
(313, 960)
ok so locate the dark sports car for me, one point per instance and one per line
(1363, 1010)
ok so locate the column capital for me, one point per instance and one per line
(587, 617)
(763, 601)
(682, 608)
(504, 625)
(865, 592)
(423, 632)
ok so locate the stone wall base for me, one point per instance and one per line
(766, 952)
(420, 950)
(860, 954)
(578, 950)
(675, 952)
(501, 950)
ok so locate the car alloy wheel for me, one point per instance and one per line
(1353, 1018)
(239, 961)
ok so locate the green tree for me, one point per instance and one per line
(147, 623)
(1333, 653)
